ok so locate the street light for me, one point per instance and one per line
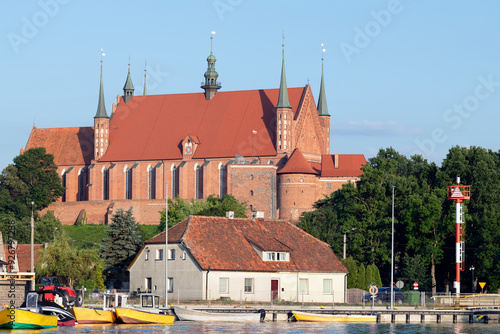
(345, 239)
(32, 246)
(473, 284)
(392, 253)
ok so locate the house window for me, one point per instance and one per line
(171, 254)
(327, 286)
(248, 285)
(159, 254)
(105, 184)
(251, 192)
(303, 286)
(251, 176)
(151, 182)
(251, 207)
(149, 283)
(170, 284)
(223, 285)
(329, 185)
(199, 182)
(147, 255)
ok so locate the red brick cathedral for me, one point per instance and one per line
(268, 147)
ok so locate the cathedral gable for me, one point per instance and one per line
(310, 136)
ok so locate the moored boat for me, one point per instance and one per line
(185, 314)
(104, 315)
(148, 313)
(12, 318)
(49, 303)
(322, 317)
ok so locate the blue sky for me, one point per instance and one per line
(420, 76)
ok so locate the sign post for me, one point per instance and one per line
(415, 286)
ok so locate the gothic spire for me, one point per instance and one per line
(128, 88)
(283, 96)
(101, 107)
(322, 106)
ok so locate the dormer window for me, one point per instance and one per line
(276, 256)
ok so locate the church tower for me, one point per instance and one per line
(101, 125)
(211, 85)
(284, 115)
(128, 88)
(323, 108)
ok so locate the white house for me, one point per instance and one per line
(239, 259)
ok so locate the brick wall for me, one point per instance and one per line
(255, 184)
(296, 194)
(20, 289)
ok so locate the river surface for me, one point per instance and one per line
(189, 327)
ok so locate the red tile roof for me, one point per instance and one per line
(297, 164)
(219, 243)
(153, 127)
(349, 165)
(70, 146)
(24, 255)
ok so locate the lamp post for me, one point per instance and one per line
(32, 246)
(392, 253)
(473, 284)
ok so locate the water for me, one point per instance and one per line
(189, 327)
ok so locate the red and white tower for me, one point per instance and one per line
(459, 193)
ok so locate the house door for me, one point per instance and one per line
(148, 284)
(274, 288)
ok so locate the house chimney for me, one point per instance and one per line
(336, 161)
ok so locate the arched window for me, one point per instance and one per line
(222, 180)
(175, 181)
(151, 182)
(63, 179)
(82, 185)
(128, 182)
(199, 181)
(105, 183)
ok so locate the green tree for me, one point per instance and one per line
(120, 246)
(45, 228)
(479, 168)
(352, 277)
(361, 283)
(61, 258)
(414, 270)
(37, 170)
(179, 209)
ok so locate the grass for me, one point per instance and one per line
(90, 236)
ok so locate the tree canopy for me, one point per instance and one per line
(120, 246)
(179, 209)
(424, 218)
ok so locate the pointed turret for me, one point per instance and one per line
(128, 88)
(101, 106)
(283, 97)
(101, 124)
(211, 85)
(322, 106)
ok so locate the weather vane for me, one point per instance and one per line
(212, 33)
(322, 52)
(102, 54)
